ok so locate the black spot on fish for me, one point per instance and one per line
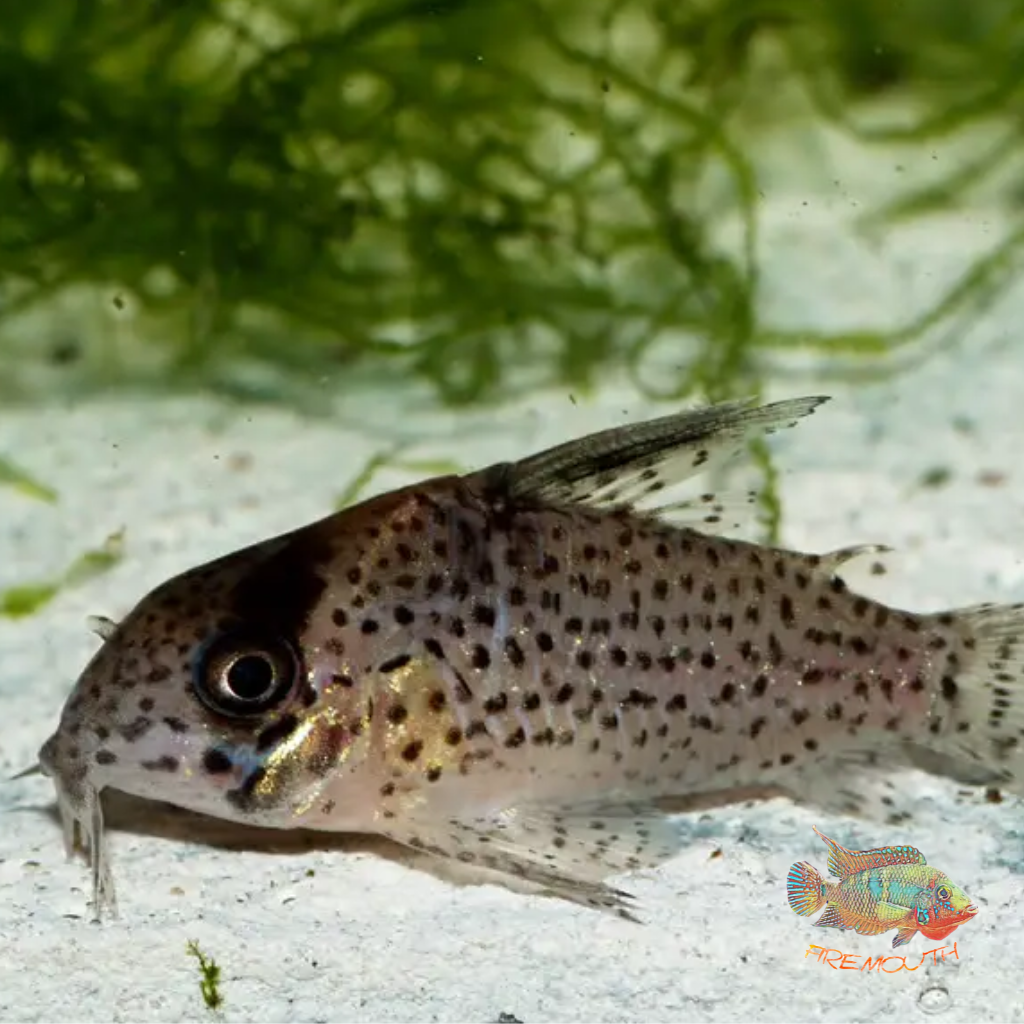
(245, 797)
(275, 733)
(216, 762)
(394, 664)
(135, 729)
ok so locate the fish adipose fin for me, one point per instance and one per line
(626, 466)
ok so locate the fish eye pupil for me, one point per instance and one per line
(250, 677)
(242, 673)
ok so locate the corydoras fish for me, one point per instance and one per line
(878, 890)
(514, 668)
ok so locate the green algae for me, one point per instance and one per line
(13, 475)
(359, 486)
(457, 191)
(262, 196)
(26, 599)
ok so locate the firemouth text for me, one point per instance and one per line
(840, 961)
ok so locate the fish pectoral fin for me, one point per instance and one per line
(891, 912)
(518, 856)
(591, 840)
(570, 850)
(871, 926)
(903, 936)
(624, 466)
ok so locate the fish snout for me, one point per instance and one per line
(48, 755)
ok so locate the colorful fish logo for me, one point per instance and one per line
(889, 887)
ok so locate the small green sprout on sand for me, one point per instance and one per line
(209, 976)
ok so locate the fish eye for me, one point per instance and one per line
(240, 676)
(942, 892)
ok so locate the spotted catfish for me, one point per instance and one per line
(515, 668)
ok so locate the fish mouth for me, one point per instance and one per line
(970, 910)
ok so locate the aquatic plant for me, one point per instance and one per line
(209, 976)
(480, 195)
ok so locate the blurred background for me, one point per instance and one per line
(259, 197)
(387, 211)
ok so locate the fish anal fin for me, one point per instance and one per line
(831, 919)
(626, 466)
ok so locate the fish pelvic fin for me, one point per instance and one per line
(903, 936)
(975, 727)
(805, 889)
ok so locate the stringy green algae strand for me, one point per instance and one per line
(464, 192)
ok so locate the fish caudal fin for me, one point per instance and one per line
(976, 723)
(805, 889)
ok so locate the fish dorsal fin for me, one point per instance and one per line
(843, 862)
(626, 466)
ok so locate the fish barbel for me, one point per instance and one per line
(515, 668)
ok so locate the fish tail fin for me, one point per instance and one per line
(805, 889)
(975, 728)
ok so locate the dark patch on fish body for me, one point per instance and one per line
(280, 593)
